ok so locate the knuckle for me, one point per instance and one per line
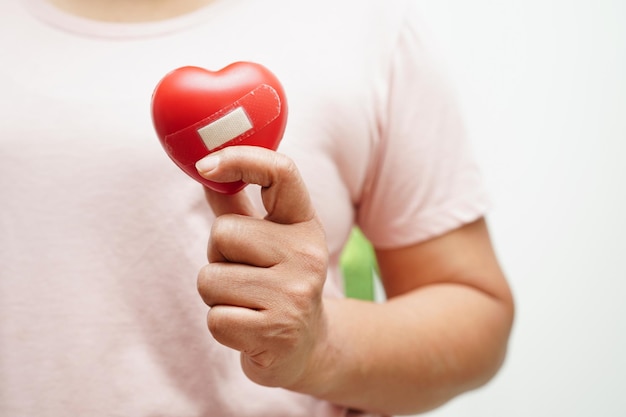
(284, 166)
(303, 293)
(312, 263)
(210, 283)
(314, 258)
(204, 283)
(214, 323)
(222, 227)
(201, 280)
(299, 289)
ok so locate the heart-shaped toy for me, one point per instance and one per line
(196, 112)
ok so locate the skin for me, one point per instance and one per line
(129, 11)
(443, 329)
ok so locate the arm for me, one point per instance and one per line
(443, 331)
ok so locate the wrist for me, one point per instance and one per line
(317, 373)
(337, 358)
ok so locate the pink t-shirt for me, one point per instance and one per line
(101, 236)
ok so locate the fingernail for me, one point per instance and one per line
(207, 164)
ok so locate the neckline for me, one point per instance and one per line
(78, 25)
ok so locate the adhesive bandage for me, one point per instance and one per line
(226, 128)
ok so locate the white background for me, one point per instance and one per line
(543, 86)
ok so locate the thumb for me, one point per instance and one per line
(285, 196)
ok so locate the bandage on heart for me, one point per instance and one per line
(230, 125)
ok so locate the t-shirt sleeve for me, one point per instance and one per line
(425, 181)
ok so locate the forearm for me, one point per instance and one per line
(443, 331)
(412, 353)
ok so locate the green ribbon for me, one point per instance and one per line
(358, 265)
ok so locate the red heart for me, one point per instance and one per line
(196, 112)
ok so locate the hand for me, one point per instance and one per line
(265, 276)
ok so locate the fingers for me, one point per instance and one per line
(297, 281)
(246, 240)
(255, 335)
(238, 203)
(284, 193)
(230, 326)
(253, 312)
(275, 346)
(236, 285)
